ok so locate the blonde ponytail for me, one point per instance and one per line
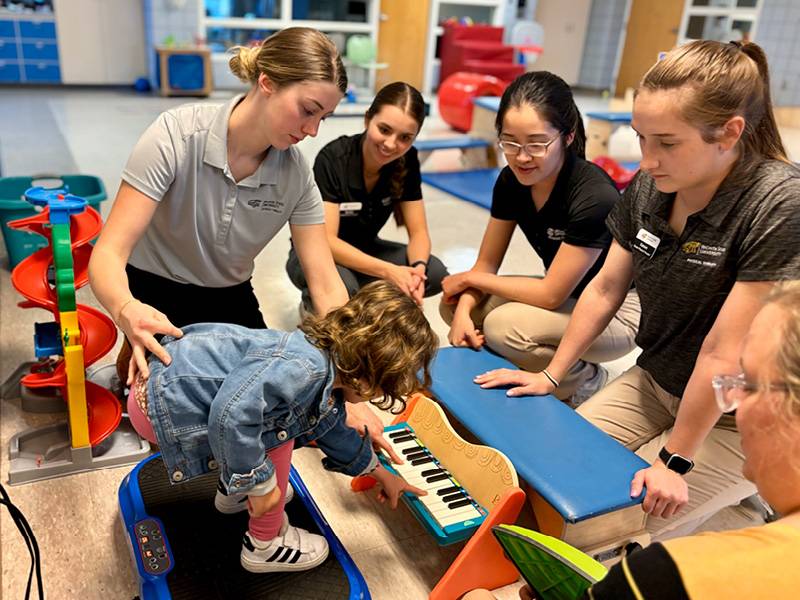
(243, 63)
(723, 80)
(289, 56)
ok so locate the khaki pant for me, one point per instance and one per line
(638, 413)
(528, 335)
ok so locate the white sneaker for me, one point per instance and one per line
(229, 504)
(293, 549)
(589, 387)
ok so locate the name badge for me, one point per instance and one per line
(646, 242)
(349, 208)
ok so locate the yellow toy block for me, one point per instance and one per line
(70, 330)
(76, 395)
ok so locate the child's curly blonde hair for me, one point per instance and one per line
(378, 342)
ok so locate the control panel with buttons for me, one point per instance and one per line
(152, 546)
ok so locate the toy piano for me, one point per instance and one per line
(470, 489)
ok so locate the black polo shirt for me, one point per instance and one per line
(750, 231)
(574, 213)
(339, 172)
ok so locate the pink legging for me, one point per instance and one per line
(268, 525)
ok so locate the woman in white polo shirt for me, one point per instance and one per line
(208, 186)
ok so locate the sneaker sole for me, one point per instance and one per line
(277, 567)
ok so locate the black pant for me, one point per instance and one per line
(185, 303)
(392, 252)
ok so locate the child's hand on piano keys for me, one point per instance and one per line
(393, 486)
(525, 383)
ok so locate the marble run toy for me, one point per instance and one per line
(79, 336)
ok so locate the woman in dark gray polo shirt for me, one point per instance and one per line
(208, 186)
(363, 179)
(705, 230)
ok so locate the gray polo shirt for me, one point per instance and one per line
(208, 228)
(750, 231)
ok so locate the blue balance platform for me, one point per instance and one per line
(473, 186)
(579, 470)
(182, 547)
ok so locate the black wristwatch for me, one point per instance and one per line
(420, 262)
(675, 462)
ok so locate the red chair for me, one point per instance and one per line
(477, 49)
(457, 92)
(621, 176)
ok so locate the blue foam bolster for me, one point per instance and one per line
(578, 469)
(446, 143)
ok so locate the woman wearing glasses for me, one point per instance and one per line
(706, 228)
(560, 202)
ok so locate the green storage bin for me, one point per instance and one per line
(21, 244)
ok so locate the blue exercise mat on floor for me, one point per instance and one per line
(473, 186)
(578, 469)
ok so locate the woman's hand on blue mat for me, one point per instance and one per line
(524, 382)
(667, 491)
(393, 486)
(259, 505)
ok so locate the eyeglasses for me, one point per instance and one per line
(532, 149)
(730, 390)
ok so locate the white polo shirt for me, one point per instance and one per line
(207, 229)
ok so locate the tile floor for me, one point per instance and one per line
(84, 553)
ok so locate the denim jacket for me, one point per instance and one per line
(231, 393)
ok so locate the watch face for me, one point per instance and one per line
(679, 464)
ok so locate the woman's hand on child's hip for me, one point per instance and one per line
(393, 486)
(259, 505)
(140, 322)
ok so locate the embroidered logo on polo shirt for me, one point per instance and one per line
(270, 205)
(702, 251)
(386, 201)
(557, 235)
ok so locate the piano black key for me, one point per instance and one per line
(407, 451)
(453, 497)
(464, 502)
(418, 454)
(435, 478)
(400, 434)
(430, 472)
(422, 461)
(449, 490)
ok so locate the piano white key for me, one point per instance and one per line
(439, 510)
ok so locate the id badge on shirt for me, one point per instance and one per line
(646, 242)
(349, 209)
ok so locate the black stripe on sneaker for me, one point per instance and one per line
(247, 542)
(221, 488)
(275, 554)
(288, 552)
(295, 557)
